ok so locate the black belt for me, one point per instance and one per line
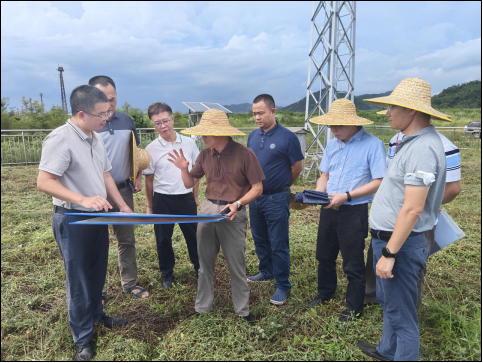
(345, 207)
(123, 184)
(62, 210)
(279, 190)
(219, 202)
(386, 235)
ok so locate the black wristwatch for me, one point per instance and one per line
(349, 198)
(240, 206)
(387, 253)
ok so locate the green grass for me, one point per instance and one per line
(35, 320)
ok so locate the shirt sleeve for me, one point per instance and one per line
(253, 170)
(107, 163)
(453, 163)
(150, 169)
(197, 171)
(426, 161)
(377, 160)
(294, 149)
(55, 157)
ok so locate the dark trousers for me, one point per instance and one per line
(84, 250)
(345, 231)
(269, 216)
(181, 204)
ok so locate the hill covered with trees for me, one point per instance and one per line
(466, 95)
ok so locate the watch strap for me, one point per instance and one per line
(349, 198)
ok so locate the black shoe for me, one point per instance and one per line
(168, 282)
(317, 301)
(84, 353)
(194, 314)
(112, 322)
(248, 319)
(371, 351)
(349, 316)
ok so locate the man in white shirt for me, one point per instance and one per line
(170, 195)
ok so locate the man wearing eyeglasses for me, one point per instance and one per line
(170, 194)
(116, 134)
(74, 170)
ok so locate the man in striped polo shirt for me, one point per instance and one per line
(451, 190)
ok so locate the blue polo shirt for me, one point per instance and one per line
(276, 151)
(352, 165)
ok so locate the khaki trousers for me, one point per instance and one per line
(230, 236)
(126, 250)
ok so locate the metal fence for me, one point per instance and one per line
(25, 146)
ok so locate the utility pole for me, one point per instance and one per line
(62, 90)
(30, 100)
(42, 102)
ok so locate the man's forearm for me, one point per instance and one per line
(296, 169)
(148, 188)
(196, 188)
(451, 191)
(57, 190)
(252, 194)
(188, 180)
(321, 185)
(405, 222)
(368, 189)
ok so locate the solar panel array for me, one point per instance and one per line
(205, 106)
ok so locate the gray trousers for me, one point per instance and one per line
(370, 295)
(126, 250)
(230, 236)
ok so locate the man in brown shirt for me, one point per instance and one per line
(234, 179)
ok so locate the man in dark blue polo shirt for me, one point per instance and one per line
(280, 156)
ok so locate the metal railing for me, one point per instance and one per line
(25, 146)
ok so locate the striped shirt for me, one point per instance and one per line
(453, 157)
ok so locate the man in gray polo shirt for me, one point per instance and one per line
(405, 206)
(74, 170)
(116, 134)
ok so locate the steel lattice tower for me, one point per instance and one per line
(62, 91)
(332, 54)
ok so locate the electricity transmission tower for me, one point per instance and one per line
(41, 102)
(332, 54)
(62, 90)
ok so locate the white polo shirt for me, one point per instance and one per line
(167, 177)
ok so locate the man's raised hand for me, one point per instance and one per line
(178, 159)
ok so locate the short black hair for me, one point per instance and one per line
(84, 98)
(159, 107)
(102, 80)
(267, 99)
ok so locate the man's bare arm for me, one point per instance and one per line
(296, 169)
(451, 190)
(148, 189)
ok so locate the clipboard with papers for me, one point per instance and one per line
(446, 232)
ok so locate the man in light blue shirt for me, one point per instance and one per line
(352, 169)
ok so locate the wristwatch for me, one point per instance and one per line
(387, 253)
(239, 205)
(349, 198)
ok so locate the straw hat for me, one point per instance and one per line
(382, 112)
(138, 158)
(213, 123)
(413, 93)
(294, 205)
(341, 112)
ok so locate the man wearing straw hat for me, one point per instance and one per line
(74, 170)
(170, 195)
(451, 191)
(117, 134)
(278, 152)
(233, 179)
(406, 205)
(352, 169)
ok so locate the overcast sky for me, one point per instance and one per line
(225, 52)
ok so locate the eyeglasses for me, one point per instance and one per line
(332, 127)
(390, 107)
(104, 116)
(163, 122)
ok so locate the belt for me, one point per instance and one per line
(279, 190)
(386, 235)
(219, 202)
(62, 210)
(123, 184)
(345, 207)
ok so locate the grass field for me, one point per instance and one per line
(35, 320)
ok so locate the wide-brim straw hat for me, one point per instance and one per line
(382, 112)
(213, 123)
(341, 112)
(294, 205)
(412, 93)
(138, 158)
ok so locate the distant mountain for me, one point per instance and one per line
(360, 105)
(466, 95)
(241, 108)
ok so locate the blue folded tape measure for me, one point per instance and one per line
(119, 218)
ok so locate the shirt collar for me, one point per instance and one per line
(227, 148)
(78, 131)
(164, 142)
(406, 139)
(271, 131)
(358, 135)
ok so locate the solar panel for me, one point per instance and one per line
(204, 106)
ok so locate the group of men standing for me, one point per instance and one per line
(85, 167)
